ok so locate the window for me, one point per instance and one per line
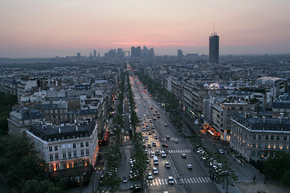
(82, 144)
(55, 148)
(56, 156)
(284, 146)
(259, 136)
(272, 145)
(254, 145)
(277, 146)
(75, 154)
(272, 137)
(254, 136)
(68, 146)
(82, 153)
(64, 155)
(259, 154)
(285, 138)
(87, 152)
(266, 137)
(50, 148)
(74, 145)
(266, 145)
(51, 157)
(259, 145)
(253, 154)
(87, 144)
(277, 137)
(63, 146)
(69, 154)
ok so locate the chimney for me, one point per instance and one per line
(280, 118)
(59, 130)
(264, 119)
(77, 128)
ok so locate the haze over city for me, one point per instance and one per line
(63, 28)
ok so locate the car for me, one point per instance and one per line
(151, 107)
(166, 145)
(155, 137)
(154, 118)
(150, 121)
(149, 145)
(102, 177)
(167, 137)
(156, 111)
(176, 140)
(170, 180)
(145, 100)
(153, 131)
(221, 151)
(146, 152)
(124, 180)
(150, 177)
(153, 127)
(189, 166)
(154, 144)
(165, 125)
(158, 116)
(167, 164)
(143, 129)
(152, 154)
(149, 133)
(163, 154)
(157, 152)
(154, 114)
(155, 170)
(144, 145)
(146, 137)
(147, 160)
(183, 155)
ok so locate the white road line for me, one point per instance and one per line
(181, 180)
(194, 180)
(208, 179)
(165, 182)
(175, 181)
(185, 180)
(204, 180)
(159, 181)
(154, 183)
(162, 182)
(191, 180)
(200, 179)
(197, 180)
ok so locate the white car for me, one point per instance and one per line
(170, 180)
(150, 177)
(155, 170)
(189, 166)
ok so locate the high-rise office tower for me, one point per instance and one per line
(136, 52)
(179, 54)
(214, 48)
(79, 56)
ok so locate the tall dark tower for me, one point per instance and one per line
(214, 48)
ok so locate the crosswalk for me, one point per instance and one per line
(188, 180)
(171, 139)
(179, 151)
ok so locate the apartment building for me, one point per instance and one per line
(259, 138)
(60, 146)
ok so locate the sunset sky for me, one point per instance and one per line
(49, 28)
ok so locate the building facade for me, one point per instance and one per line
(214, 48)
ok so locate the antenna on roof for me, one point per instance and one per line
(213, 27)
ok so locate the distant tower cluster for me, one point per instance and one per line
(137, 52)
(179, 54)
(214, 48)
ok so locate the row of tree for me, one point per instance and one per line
(6, 103)
(23, 170)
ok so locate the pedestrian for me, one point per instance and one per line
(254, 178)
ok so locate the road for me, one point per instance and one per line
(195, 180)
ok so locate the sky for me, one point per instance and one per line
(49, 28)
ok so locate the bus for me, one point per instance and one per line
(155, 160)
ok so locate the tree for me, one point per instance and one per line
(82, 170)
(12, 151)
(45, 186)
(277, 167)
(28, 168)
(195, 140)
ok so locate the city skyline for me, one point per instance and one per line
(64, 28)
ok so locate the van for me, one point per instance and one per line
(155, 160)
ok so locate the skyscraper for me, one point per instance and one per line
(214, 48)
(179, 54)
